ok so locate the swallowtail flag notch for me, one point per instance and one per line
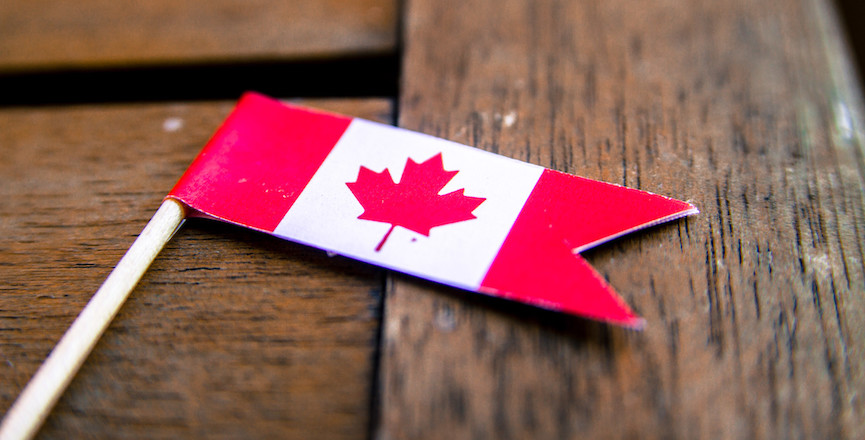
(419, 205)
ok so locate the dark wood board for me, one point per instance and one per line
(231, 333)
(46, 34)
(755, 307)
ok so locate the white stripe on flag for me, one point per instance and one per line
(326, 213)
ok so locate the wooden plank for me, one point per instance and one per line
(755, 308)
(43, 34)
(231, 334)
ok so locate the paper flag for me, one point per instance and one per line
(419, 205)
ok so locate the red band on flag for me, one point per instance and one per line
(258, 162)
(565, 214)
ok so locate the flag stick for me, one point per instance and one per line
(44, 389)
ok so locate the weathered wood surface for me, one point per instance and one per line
(755, 308)
(40, 34)
(231, 334)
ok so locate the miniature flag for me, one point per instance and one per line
(419, 205)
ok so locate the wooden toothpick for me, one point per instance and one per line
(44, 389)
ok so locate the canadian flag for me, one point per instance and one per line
(419, 205)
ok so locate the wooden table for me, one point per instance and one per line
(755, 308)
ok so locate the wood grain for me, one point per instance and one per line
(44, 34)
(231, 334)
(35, 402)
(755, 308)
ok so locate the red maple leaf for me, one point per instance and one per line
(414, 203)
